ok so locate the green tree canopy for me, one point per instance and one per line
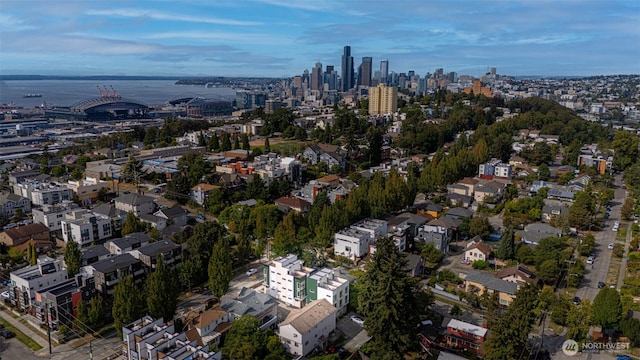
(245, 341)
(220, 269)
(607, 308)
(132, 225)
(128, 304)
(387, 302)
(72, 258)
(162, 291)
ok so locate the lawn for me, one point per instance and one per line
(29, 342)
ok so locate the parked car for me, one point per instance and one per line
(357, 320)
(6, 334)
(5, 294)
(251, 272)
(576, 300)
(590, 261)
(200, 217)
(600, 284)
(610, 246)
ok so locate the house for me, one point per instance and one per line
(438, 231)
(288, 203)
(518, 274)
(87, 190)
(116, 216)
(27, 280)
(35, 234)
(560, 193)
(209, 325)
(460, 213)
(477, 250)
(43, 193)
(333, 159)
(535, 232)
(415, 264)
(326, 284)
(110, 271)
(312, 153)
(175, 215)
(250, 302)
(153, 221)
(353, 242)
(459, 200)
(10, 203)
(52, 215)
(171, 254)
(94, 253)
(491, 189)
(494, 168)
(127, 243)
(308, 328)
(136, 203)
(199, 193)
(465, 336)
(553, 209)
(428, 208)
(478, 283)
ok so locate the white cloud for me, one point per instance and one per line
(158, 15)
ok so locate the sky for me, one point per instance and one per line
(282, 38)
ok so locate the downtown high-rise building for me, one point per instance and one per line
(347, 70)
(330, 78)
(364, 71)
(383, 100)
(316, 77)
(384, 72)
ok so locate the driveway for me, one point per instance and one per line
(352, 331)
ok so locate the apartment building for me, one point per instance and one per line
(308, 328)
(285, 278)
(87, 190)
(353, 242)
(26, 281)
(383, 100)
(110, 271)
(52, 215)
(10, 203)
(44, 193)
(326, 284)
(89, 228)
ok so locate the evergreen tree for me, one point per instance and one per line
(245, 142)
(214, 143)
(267, 147)
(96, 312)
(201, 140)
(388, 303)
(132, 224)
(507, 249)
(236, 142)
(81, 320)
(220, 269)
(162, 291)
(72, 258)
(245, 341)
(127, 304)
(226, 142)
(509, 334)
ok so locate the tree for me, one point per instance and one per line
(32, 254)
(127, 303)
(245, 341)
(214, 144)
(96, 312)
(582, 210)
(607, 308)
(578, 319)
(388, 303)
(433, 257)
(509, 334)
(374, 137)
(82, 317)
(549, 271)
(507, 249)
(481, 226)
(544, 173)
(631, 328)
(220, 269)
(162, 291)
(267, 146)
(628, 208)
(72, 258)
(226, 142)
(18, 215)
(131, 170)
(132, 224)
(245, 142)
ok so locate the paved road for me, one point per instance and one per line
(589, 285)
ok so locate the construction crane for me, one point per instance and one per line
(114, 93)
(106, 91)
(100, 91)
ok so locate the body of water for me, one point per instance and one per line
(69, 92)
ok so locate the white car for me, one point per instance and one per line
(615, 228)
(251, 272)
(610, 246)
(357, 320)
(5, 294)
(590, 261)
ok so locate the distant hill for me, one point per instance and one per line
(95, 77)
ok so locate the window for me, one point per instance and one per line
(295, 335)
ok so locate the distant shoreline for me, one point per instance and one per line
(119, 77)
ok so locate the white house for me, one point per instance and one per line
(477, 250)
(354, 241)
(138, 204)
(326, 284)
(87, 229)
(308, 328)
(52, 215)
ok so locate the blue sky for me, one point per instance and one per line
(285, 37)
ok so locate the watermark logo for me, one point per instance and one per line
(570, 347)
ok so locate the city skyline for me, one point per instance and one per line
(274, 38)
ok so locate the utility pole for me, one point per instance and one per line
(90, 351)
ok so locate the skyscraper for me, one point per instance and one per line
(347, 69)
(330, 77)
(383, 100)
(364, 71)
(384, 71)
(316, 77)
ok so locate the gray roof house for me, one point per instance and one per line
(127, 243)
(535, 232)
(460, 213)
(251, 302)
(175, 215)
